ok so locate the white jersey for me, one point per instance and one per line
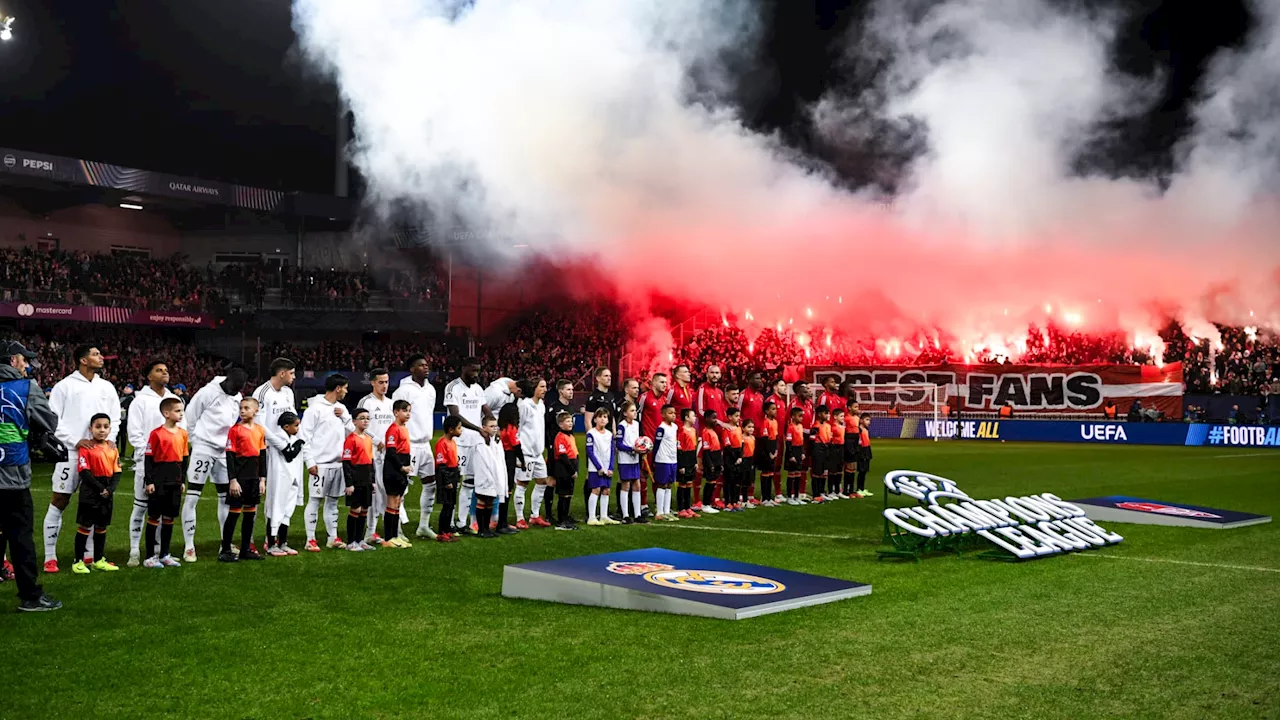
(324, 433)
(380, 417)
(599, 448)
(489, 465)
(469, 400)
(210, 415)
(664, 444)
(422, 398)
(74, 400)
(533, 427)
(498, 395)
(628, 434)
(144, 416)
(272, 404)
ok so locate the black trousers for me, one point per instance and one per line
(17, 521)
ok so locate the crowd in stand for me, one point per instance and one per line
(353, 357)
(127, 350)
(115, 280)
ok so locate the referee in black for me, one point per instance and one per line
(24, 412)
(604, 396)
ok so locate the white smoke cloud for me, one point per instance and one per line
(596, 129)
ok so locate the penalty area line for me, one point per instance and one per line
(1249, 455)
(1221, 566)
(754, 532)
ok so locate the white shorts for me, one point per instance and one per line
(204, 468)
(535, 468)
(65, 478)
(328, 482)
(422, 463)
(378, 459)
(465, 453)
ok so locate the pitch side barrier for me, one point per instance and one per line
(1080, 431)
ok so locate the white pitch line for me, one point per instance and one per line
(1220, 566)
(757, 532)
(1273, 454)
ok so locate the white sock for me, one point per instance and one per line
(464, 505)
(425, 503)
(312, 516)
(331, 518)
(622, 504)
(604, 506)
(519, 500)
(375, 512)
(52, 528)
(635, 504)
(189, 516)
(538, 492)
(223, 508)
(592, 501)
(666, 501)
(136, 519)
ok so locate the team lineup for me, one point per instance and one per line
(504, 445)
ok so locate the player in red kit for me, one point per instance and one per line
(710, 397)
(752, 401)
(650, 404)
(831, 395)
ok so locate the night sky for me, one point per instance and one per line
(211, 88)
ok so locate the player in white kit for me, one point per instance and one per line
(325, 426)
(144, 416)
(379, 403)
(210, 415)
(418, 391)
(465, 398)
(533, 440)
(275, 397)
(75, 399)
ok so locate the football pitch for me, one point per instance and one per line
(1173, 622)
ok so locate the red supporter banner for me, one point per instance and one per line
(116, 316)
(1041, 389)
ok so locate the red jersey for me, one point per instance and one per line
(510, 437)
(358, 449)
(752, 405)
(749, 446)
(806, 416)
(822, 433)
(446, 452)
(710, 440)
(837, 433)
(102, 461)
(565, 446)
(246, 441)
(865, 437)
(710, 398)
(795, 435)
(733, 437)
(687, 439)
(680, 397)
(165, 446)
(397, 440)
(650, 414)
(768, 428)
(851, 424)
(832, 401)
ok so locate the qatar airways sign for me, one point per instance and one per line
(1029, 526)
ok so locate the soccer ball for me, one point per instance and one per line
(644, 445)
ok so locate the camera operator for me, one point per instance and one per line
(23, 411)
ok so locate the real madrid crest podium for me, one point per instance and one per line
(667, 581)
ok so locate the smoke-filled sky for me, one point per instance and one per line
(620, 133)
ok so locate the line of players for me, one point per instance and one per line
(491, 452)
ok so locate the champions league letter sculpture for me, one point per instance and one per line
(946, 519)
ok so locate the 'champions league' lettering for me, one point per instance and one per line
(1034, 391)
(1027, 527)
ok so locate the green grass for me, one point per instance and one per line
(425, 633)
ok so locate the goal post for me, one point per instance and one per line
(910, 401)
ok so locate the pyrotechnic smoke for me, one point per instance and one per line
(600, 130)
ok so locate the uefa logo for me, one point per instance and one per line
(10, 161)
(26, 309)
(715, 582)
